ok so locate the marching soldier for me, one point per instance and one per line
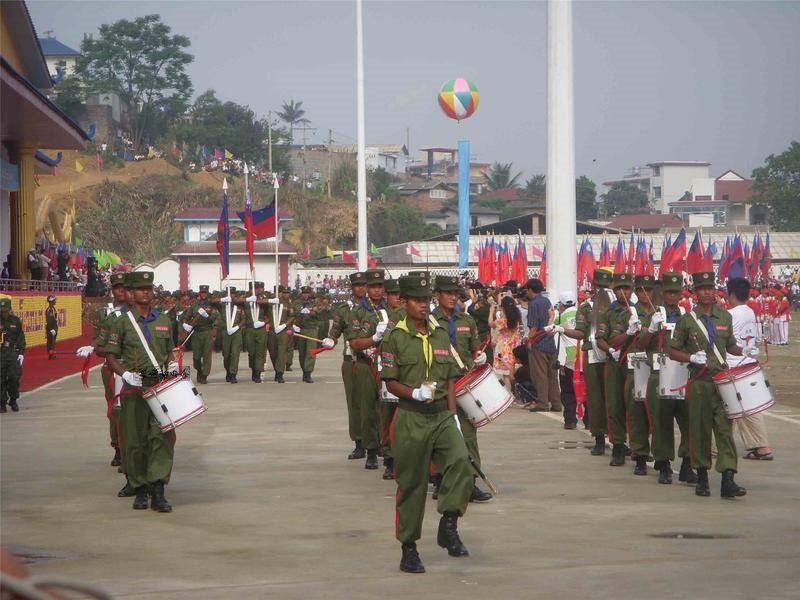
(388, 405)
(479, 310)
(307, 323)
(324, 314)
(12, 355)
(419, 369)
(255, 311)
(51, 325)
(232, 335)
(281, 319)
(200, 318)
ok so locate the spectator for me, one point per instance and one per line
(508, 323)
(44, 265)
(542, 352)
(33, 263)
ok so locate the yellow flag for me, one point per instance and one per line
(228, 155)
(151, 152)
(328, 252)
(78, 166)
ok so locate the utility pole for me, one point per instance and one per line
(330, 162)
(269, 139)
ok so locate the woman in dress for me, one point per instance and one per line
(508, 323)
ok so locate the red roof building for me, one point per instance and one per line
(646, 222)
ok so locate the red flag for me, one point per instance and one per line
(412, 250)
(543, 267)
(619, 257)
(248, 226)
(349, 258)
(694, 258)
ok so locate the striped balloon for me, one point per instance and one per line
(459, 98)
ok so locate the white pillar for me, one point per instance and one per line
(561, 251)
(362, 157)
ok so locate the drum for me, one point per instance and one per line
(744, 390)
(386, 395)
(481, 395)
(672, 378)
(641, 377)
(174, 401)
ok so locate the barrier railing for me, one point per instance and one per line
(34, 285)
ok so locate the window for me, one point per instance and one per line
(725, 197)
(657, 191)
(656, 171)
(440, 194)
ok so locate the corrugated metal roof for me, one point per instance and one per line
(52, 47)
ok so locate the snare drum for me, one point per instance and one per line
(641, 377)
(174, 401)
(672, 378)
(481, 395)
(744, 390)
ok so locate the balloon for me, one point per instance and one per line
(459, 98)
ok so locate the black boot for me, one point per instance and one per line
(254, 375)
(279, 377)
(729, 488)
(372, 459)
(448, 535)
(411, 563)
(227, 377)
(289, 368)
(127, 491)
(13, 404)
(3, 408)
(701, 489)
(158, 502)
(233, 378)
(388, 471)
(358, 452)
(617, 455)
(686, 474)
(641, 466)
(437, 482)
(478, 495)
(307, 377)
(140, 502)
(664, 472)
(117, 460)
(599, 445)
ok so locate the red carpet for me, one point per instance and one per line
(38, 370)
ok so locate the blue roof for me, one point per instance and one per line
(52, 47)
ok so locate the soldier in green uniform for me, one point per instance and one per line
(291, 342)
(388, 403)
(200, 318)
(463, 333)
(665, 411)
(701, 338)
(324, 314)
(307, 323)
(615, 334)
(255, 310)
(368, 323)
(419, 369)
(148, 453)
(281, 319)
(232, 334)
(340, 327)
(12, 355)
(173, 312)
(51, 326)
(479, 310)
(594, 359)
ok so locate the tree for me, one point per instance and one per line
(292, 113)
(69, 95)
(625, 199)
(777, 187)
(146, 66)
(345, 179)
(499, 177)
(393, 222)
(536, 186)
(585, 198)
(379, 184)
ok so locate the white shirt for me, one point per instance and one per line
(744, 326)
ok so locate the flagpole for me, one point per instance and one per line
(277, 229)
(247, 202)
(362, 159)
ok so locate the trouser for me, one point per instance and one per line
(231, 350)
(386, 412)
(51, 341)
(202, 344)
(707, 415)
(353, 408)
(419, 439)
(304, 347)
(324, 329)
(615, 402)
(365, 392)
(594, 375)
(278, 345)
(10, 373)
(290, 345)
(107, 375)
(665, 412)
(638, 420)
(568, 400)
(147, 453)
(489, 350)
(545, 378)
(470, 433)
(753, 431)
(256, 348)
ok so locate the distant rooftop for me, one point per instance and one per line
(679, 163)
(52, 47)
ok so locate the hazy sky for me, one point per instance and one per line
(715, 81)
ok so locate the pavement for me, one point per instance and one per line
(267, 506)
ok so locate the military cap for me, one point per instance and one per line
(51, 298)
(446, 283)
(117, 279)
(671, 282)
(418, 274)
(176, 295)
(284, 289)
(703, 279)
(5, 303)
(140, 279)
(392, 286)
(260, 284)
(415, 287)
(622, 280)
(374, 276)
(647, 282)
(601, 278)
(126, 279)
(357, 278)
(203, 288)
(232, 289)
(306, 289)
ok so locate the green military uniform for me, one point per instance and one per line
(480, 314)
(424, 432)
(324, 314)
(232, 342)
(308, 320)
(51, 325)
(280, 313)
(255, 338)
(202, 338)
(12, 346)
(387, 409)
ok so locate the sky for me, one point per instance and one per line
(713, 81)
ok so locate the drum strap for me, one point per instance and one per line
(453, 351)
(145, 345)
(702, 328)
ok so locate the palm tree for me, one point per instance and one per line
(536, 187)
(499, 177)
(292, 114)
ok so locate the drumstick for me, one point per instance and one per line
(482, 475)
(307, 337)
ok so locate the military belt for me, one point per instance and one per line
(423, 407)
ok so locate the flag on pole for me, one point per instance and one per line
(349, 258)
(78, 166)
(329, 252)
(374, 249)
(248, 226)
(413, 251)
(228, 155)
(263, 221)
(224, 234)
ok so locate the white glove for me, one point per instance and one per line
(751, 351)
(655, 322)
(84, 351)
(225, 300)
(633, 325)
(187, 328)
(458, 423)
(202, 312)
(698, 358)
(422, 394)
(328, 343)
(274, 301)
(350, 304)
(480, 358)
(305, 311)
(296, 329)
(132, 379)
(232, 330)
(172, 367)
(252, 298)
(52, 332)
(258, 324)
(380, 331)
(20, 359)
(615, 354)
(555, 329)
(280, 328)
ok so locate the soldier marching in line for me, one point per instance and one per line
(232, 334)
(200, 319)
(281, 319)
(12, 355)
(307, 323)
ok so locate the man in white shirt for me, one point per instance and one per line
(745, 329)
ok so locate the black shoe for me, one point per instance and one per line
(411, 563)
(279, 377)
(570, 425)
(539, 408)
(388, 470)
(729, 488)
(686, 474)
(307, 377)
(202, 379)
(358, 452)
(641, 466)
(254, 376)
(227, 377)
(448, 535)
(157, 501)
(664, 472)
(437, 482)
(3, 409)
(599, 445)
(127, 491)
(14, 407)
(117, 460)
(233, 379)
(372, 460)
(140, 502)
(701, 489)
(478, 495)
(289, 368)
(617, 455)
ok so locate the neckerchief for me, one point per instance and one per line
(427, 350)
(451, 322)
(710, 328)
(143, 321)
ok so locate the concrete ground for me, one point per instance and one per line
(267, 506)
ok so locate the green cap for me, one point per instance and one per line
(357, 278)
(647, 282)
(306, 289)
(392, 286)
(284, 289)
(139, 279)
(260, 284)
(446, 283)
(176, 295)
(418, 274)
(415, 286)
(5, 303)
(671, 282)
(703, 279)
(117, 279)
(622, 280)
(374, 276)
(203, 288)
(601, 277)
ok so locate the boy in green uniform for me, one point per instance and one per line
(479, 310)
(255, 309)
(148, 453)
(200, 318)
(307, 322)
(419, 369)
(232, 335)
(281, 319)
(388, 406)
(51, 326)
(12, 355)
(324, 314)
(701, 338)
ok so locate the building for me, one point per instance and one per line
(447, 216)
(645, 223)
(391, 157)
(667, 181)
(426, 196)
(61, 59)
(200, 224)
(720, 202)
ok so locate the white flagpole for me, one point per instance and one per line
(362, 158)
(277, 229)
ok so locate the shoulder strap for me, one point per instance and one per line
(708, 341)
(142, 339)
(453, 351)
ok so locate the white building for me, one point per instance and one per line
(58, 56)
(668, 181)
(391, 157)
